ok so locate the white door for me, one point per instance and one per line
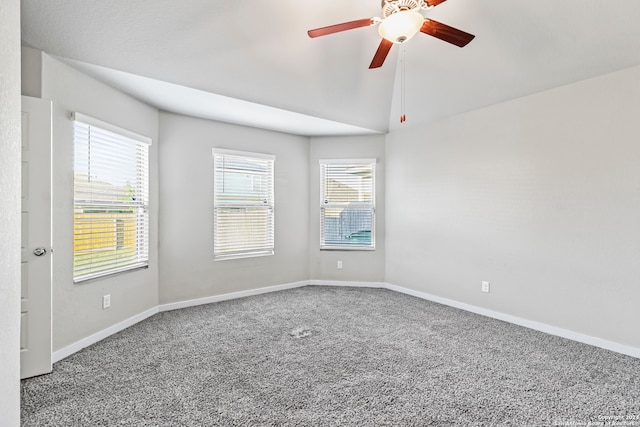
(35, 320)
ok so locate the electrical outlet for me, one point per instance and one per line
(485, 286)
(339, 265)
(106, 301)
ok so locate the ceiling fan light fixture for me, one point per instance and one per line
(401, 26)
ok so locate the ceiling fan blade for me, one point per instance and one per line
(381, 54)
(446, 33)
(341, 27)
(432, 3)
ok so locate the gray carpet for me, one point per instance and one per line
(327, 356)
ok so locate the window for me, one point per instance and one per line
(347, 204)
(111, 199)
(243, 204)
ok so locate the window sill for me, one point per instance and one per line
(242, 255)
(344, 248)
(99, 276)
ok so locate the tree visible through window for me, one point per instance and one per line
(347, 204)
(243, 213)
(111, 199)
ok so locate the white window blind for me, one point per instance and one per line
(111, 199)
(243, 204)
(347, 204)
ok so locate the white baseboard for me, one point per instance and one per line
(347, 283)
(232, 295)
(542, 327)
(67, 351)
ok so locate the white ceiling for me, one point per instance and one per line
(251, 62)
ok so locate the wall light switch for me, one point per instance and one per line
(339, 265)
(485, 286)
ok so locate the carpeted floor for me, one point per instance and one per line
(328, 356)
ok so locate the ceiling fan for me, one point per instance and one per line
(401, 21)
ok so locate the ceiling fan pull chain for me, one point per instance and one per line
(403, 116)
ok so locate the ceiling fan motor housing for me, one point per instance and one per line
(389, 7)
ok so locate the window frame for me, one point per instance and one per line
(360, 162)
(139, 204)
(222, 254)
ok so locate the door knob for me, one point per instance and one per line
(39, 251)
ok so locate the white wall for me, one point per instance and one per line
(10, 213)
(187, 269)
(365, 266)
(77, 308)
(31, 72)
(539, 196)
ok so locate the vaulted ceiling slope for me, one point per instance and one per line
(256, 54)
